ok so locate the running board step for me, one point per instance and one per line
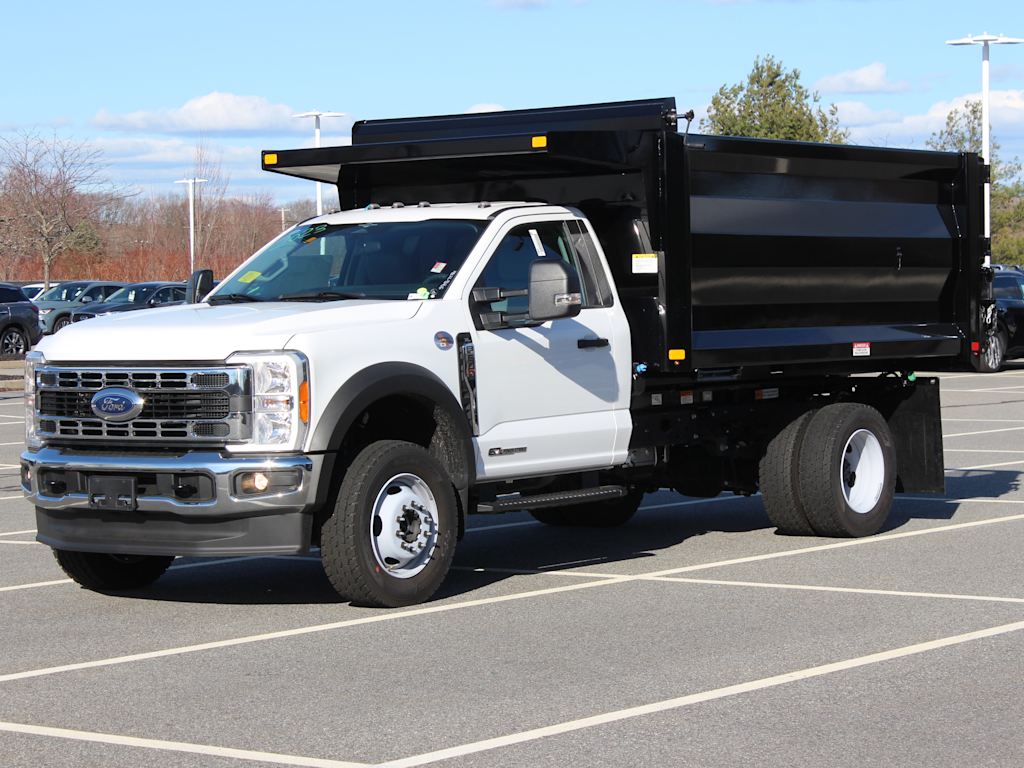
(559, 499)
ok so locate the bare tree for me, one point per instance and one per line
(53, 190)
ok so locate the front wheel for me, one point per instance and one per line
(112, 573)
(598, 514)
(61, 322)
(391, 538)
(847, 470)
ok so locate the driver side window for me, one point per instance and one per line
(509, 265)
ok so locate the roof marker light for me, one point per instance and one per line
(270, 158)
(539, 142)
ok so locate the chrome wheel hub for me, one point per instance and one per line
(403, 526)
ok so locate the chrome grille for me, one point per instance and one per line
(207, 406)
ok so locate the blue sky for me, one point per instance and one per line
(145, 82)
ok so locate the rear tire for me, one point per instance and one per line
(112, 573)
(392, 536)
(779, 479)
(599, 514)
(847, 470)
(13, 342)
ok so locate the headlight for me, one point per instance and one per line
(280, 400)
(46, 311)
(32, 359)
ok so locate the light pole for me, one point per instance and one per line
(191, 220)
(986, 139)
(283, 212)
(316, 114)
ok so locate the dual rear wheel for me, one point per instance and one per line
(830, 472)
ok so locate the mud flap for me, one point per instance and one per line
(916, 424)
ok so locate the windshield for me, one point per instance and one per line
(63, 292)
(389, 260)
(130, 294)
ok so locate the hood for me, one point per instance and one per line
(200, 332)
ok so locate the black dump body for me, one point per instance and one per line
(771, 255)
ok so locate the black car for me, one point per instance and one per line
(19, 322)
(1008, 341)
(133, 297)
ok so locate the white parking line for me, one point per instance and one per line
(16, 442)
(603, 580)
(17, 533)
(845, 590)
(989, 466)
(176, 746)
(11, 498)
(308, 630)
(836, 545)
(983, 432)
(698, 698)
(998, 421)
(979, 450)
(8, 541)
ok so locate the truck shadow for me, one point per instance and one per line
(498, 549)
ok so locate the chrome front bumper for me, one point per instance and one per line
(228, 523)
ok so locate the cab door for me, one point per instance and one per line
(551, 396)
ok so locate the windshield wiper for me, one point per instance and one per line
(232, 298)
(321, 296)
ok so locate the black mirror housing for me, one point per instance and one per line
(554, 290)
(199, 284)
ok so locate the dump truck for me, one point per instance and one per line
(553, 310)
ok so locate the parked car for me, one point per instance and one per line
(134, 297)
(1008, 340)
(19, 321)
(32, 290)
(58, 303)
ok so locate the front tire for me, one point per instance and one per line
(847, 470)
(600, 514)
(61, 322)
(112, 573)
(391, 539)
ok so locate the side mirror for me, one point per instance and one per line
(200, 284)
(554, 291)
(87, 299)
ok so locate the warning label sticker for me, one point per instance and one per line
(862, 349)
(645, 263)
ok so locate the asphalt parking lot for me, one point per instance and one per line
(695, 635)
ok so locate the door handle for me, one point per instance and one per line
(589, 343)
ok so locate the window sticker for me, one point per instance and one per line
(248, 277)
(438, 267)
(537, 244)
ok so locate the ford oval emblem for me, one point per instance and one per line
(117, 404)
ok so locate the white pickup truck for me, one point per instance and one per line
(371, 377)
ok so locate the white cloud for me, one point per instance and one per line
(216, 112)
(872, 78)
(1007, 119)
(484, 107)
(857, 113)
